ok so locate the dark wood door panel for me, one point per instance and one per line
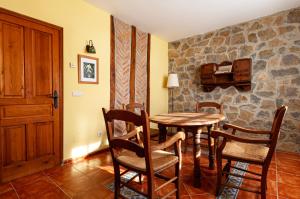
(11, 60)
(44, 139)
(40, 140)
(25, 120)
(16, 111)
(26, 101)
(13, 144)
(42, 63)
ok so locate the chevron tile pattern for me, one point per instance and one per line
(141, 67)
(122, 67)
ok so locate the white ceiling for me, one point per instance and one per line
(176, 19)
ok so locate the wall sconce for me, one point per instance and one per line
(90, 47)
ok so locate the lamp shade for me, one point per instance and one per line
(173, 80)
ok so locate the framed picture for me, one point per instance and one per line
(87, 69)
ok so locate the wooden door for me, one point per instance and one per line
(30, 96)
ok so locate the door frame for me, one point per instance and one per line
(61, 97)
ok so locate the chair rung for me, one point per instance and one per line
(124, 172)
(246, 171)
(164, 168)
(162, 176)
(166, 183)
(125, 183)
(170, 193)
(240, 176)
(241, 188)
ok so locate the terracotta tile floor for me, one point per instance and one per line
(87, 179)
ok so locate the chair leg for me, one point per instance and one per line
(177, 182)
(117, 180)
(219, 173)
(186, 141)
(150, 186)
(264, 183)
(216, 143)
(211, 154)
(140, 178)
(227, 167)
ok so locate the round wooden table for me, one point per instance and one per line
(193, 122)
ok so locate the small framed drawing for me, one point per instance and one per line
(87, 69)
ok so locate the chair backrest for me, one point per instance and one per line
(277, 121)
(119, 143)
(134, 107)
(200, 105)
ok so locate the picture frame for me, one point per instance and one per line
(88, 70)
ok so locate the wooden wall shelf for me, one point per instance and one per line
(240, 76)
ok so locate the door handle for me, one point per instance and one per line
(55, 99)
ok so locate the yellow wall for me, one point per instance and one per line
(81, 22)
(158, 76)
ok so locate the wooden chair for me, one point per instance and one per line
(200, 106)
(137, 108)
(250, 150)
(147, 160)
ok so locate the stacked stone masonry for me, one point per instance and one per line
(273, 44)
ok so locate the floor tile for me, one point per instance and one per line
(203, 196)
(88, 178)
(288, 191)
(250, 184)
(88, 165)
(288, 165)
(140, 187)
(63, 174)
(270, 196)
(9, 195)
(206, 187)
(5, 187)
(95, 192)
(288, 179)
(165, 190)
(272, 187)
(27, 180)
(281, 154)
(40, 187)
(100, 176)
(249, 195)
(74, 186)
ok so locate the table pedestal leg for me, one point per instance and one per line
(197, 154)
(162, 133)
(211, 151)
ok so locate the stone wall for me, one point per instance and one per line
(273, 43)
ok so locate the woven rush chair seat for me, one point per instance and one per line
(252, 152)
(160, 159)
